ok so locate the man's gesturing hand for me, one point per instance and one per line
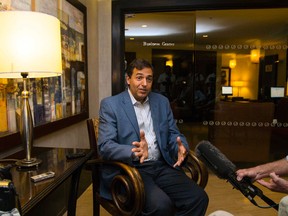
(141, 148)
(182, 152)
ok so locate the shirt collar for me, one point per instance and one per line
(134, 101)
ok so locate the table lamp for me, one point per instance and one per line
(30, 47)
(238, 84)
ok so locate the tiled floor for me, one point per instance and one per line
(222, 197)
(85, 206)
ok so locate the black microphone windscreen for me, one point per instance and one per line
(217, 162)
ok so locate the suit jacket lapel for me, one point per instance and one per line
(155, 115)
(130, 112)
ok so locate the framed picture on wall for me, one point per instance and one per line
(225, 76)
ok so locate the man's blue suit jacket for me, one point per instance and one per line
(118, 128)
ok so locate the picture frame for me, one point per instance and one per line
(69, 93)
(225, 76)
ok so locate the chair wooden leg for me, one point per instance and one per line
(95, 186)
(73, 192)
(96, 205)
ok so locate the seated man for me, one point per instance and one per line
(137, 127)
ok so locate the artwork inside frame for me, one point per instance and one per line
(225, 76)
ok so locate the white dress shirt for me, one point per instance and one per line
(143, 114)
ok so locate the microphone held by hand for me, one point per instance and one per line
(221, 166)
(217, 162)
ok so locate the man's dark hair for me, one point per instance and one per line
(139, 64)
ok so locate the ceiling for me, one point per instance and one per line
(226, 29)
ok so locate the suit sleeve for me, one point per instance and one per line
(108, 144)
(174, 133)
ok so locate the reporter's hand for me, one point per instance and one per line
(182, 153)
(250, 172)
(275, 183)
(141, 148)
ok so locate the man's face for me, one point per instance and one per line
(140, 83)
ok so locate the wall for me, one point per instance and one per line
(245, 72)
(99, 74)
(248, 73)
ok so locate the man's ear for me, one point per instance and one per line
(127, 79)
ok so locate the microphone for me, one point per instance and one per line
(220, 165)
(217, 162)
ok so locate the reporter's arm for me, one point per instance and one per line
(280, 167)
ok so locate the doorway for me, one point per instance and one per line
(228, 36)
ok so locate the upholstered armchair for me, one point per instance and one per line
(131, 201)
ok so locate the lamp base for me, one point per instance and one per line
(28, 163)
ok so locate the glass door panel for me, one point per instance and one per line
(228, 75)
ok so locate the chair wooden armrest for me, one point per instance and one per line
(129, 202)
(196, 170)
(127, 189)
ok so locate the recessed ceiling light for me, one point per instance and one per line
(144, 26)
(205, 36)
(132, 38)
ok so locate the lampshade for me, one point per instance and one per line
(238, 83)
(255, 55)
(30, 42)
(169, 63)
(232, 63)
